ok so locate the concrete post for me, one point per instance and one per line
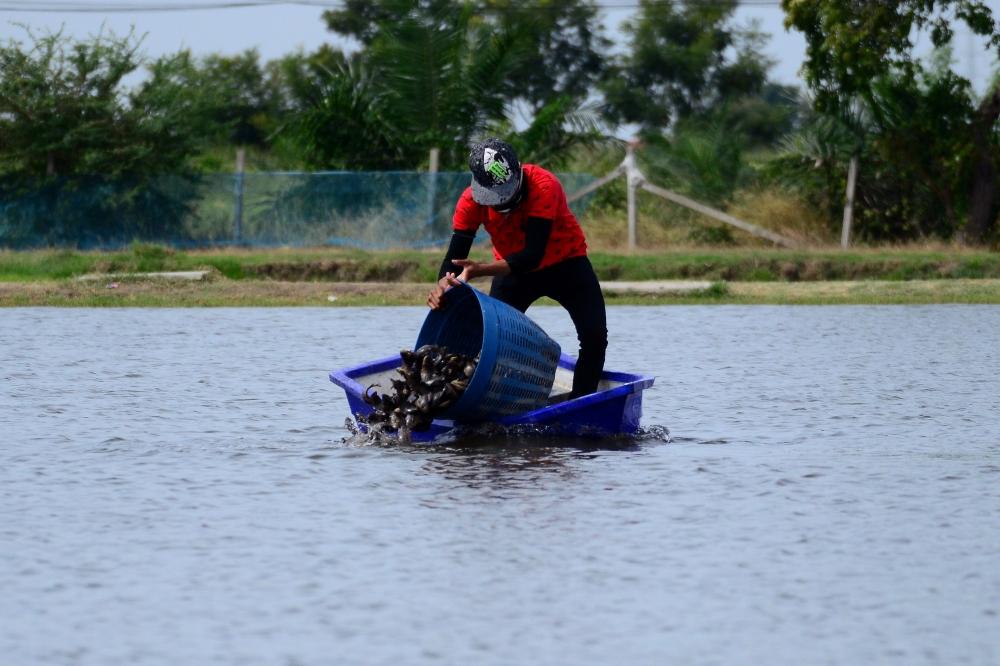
(432, 169)
(238, 205)
(852, 178)
(633, 179)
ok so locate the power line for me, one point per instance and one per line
(131, 7)
(109, 8)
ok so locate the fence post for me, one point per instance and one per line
(633, 179)
(238, 205)
(852, 178)
(432, 169)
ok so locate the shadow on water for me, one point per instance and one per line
(523, 458)
(498, 457)
(503, 468)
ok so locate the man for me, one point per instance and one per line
(538, 246)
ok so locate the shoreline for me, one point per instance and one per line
(136, 291)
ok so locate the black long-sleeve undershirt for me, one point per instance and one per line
(461, 243)
(536, 238)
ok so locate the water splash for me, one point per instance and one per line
(653, 433)
(494, 435)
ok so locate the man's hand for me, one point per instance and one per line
(471, 268)
(436, 298)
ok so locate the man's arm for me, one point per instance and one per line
(536, 238)
(461, 244)
(458, 250)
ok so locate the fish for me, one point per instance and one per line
(431, 379)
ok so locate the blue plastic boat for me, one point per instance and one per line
(615, 409)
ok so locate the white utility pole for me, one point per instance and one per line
(633, 180)
(852, 179)
(432, 169)
(238, 186)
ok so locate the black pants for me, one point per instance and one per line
(573, 284)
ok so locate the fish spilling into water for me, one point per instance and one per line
(431, 380)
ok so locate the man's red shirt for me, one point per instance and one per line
(545, 199)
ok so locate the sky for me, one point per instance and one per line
(280, 29)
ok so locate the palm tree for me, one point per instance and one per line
(425, 82)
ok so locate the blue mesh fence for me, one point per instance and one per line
(356, 209)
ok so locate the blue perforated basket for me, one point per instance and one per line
(517, 360)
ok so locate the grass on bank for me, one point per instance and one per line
(223, 292)
(344, 265)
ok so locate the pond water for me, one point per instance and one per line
(179, 487)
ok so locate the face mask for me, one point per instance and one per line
(512, 204)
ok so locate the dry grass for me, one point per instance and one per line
(662, 225)
(257, 293)
(782, 213)
(873, 292)
(159, 293)
(608, 232)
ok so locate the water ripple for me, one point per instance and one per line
(813, 486)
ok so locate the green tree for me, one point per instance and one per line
(64, 111)
(865, 51)
(243, 102)
(227, 99)
(556, 132)
(684, 59)
(907, 134)
(763, 119)
(425, 82)
(365, 20)
(346, 121)
(81, 154)
(446, 78)
(300, 78)
(560, 42)
(703, 161)
(563, 45)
